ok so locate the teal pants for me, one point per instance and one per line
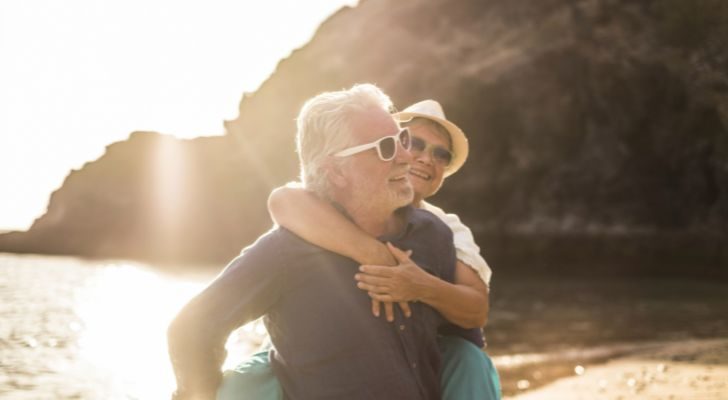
(467, 373)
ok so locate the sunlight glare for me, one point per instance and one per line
(77, 76)
(170, 168)
(125, 312)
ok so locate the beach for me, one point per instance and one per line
(629, 338)
(691, 369)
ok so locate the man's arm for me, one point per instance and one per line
(196, 356)
(247, 287)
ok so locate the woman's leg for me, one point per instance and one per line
(252, 380)
(467, 372)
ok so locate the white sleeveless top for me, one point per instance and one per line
(467, 251)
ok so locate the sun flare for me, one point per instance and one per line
(124, 311)
(77, 76)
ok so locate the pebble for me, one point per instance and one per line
(30, 341)
(523, 384)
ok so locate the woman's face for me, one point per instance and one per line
(426, 172)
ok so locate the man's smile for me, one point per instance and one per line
(399, 178)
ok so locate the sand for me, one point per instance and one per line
(691, 369)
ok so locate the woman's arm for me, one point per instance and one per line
(466, 249)
(467, 253)
(464, 302)
(318, 222)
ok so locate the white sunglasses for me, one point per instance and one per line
(386, 146)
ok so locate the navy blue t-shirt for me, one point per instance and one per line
(327, 344)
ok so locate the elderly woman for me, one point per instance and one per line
(439, 148)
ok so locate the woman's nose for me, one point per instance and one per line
(403, 155)
(424, 157)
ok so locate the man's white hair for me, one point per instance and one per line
(324, 128)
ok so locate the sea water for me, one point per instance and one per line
(89, 329)
(80, 329)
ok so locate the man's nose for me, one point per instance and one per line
(403, 155)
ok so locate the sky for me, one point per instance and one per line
(78, 75)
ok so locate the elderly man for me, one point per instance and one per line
(326, 344)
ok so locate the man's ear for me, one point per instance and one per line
(336, 175)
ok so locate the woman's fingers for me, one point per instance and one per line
(377, 270)
(372, 280)
(376, 307)
(405, 308)
(389, 310)
(378, 280)
(372, 288)
(381, 297)
(401, 256)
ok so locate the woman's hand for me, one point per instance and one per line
(464, 302)
(402, 283)
(389, 308)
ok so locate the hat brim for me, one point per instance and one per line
(457, 137)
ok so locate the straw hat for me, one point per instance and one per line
(432, 110)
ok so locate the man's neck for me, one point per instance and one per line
(417, 202)
(371, 220)
(379, 226)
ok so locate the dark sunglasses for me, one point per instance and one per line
(438, 153)
(386, 146)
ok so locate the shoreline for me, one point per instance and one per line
(687, 369)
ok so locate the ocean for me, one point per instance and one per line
(88, 329)
(73, 328)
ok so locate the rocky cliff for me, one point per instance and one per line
(599, 134)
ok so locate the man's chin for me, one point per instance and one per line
(405, 196)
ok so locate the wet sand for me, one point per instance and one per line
(542, 331)
(692, 369)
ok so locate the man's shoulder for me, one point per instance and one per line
(431, 241)
(425, 221)
(275, 250)
(279, 240)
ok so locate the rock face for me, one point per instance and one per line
(153, 197)
(598, 132)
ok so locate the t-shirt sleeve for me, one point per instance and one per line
(466, 249)
(247, 287)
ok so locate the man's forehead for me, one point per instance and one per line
(373, 123)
